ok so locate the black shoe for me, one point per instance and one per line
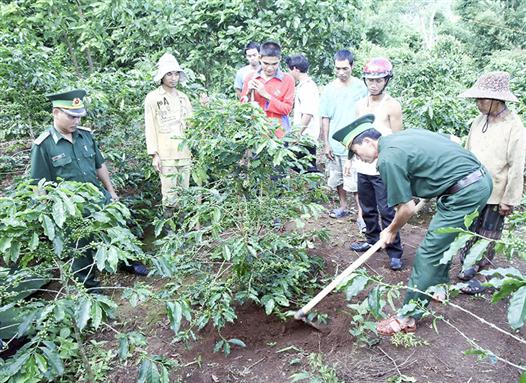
(360, 246)
(136, 268)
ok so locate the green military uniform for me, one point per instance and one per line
(417, 162)
(420, 163)
(54, 157)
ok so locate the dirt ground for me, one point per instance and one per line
(275, 350)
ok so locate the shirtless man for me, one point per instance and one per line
(372, 192)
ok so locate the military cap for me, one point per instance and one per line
(70, 102)
(350, 132)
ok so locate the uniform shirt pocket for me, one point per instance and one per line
(60, 161)
(88, 152)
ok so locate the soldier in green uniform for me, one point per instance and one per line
(69, 152)
(417, 162)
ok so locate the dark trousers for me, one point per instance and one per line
(373, 201)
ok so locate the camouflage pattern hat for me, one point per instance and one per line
(70, 102)
(494, 85)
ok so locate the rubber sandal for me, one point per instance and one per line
(473, 287)
(393, 325)
(466, 275)
(339, 213)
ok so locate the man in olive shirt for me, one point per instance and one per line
(421, 163)
(67, 151)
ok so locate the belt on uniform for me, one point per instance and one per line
(466, 181)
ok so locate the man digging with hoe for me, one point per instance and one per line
(420, 163)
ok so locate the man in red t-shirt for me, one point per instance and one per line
(272, 89)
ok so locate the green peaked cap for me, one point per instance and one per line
(350, 132)
(71, 102)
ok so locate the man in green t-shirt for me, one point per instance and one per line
(417, 162)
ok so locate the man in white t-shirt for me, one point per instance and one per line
(252, 56)
(306, 102)
(372, 191)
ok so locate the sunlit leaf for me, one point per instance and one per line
(517, 309)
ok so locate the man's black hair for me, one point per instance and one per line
(369, 133)
(270, 49)
(298, 61)
(344, 54)
(251, 45)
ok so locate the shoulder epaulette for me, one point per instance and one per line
(42, 137)
(84, 128)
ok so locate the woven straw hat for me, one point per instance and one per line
(168, 63)
(495, 85)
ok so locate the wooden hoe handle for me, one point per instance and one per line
(301, 313)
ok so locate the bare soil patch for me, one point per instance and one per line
(277, 349)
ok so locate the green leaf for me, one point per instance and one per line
(475, 254)
(470, 218)
(53, 359)
(144, 371)
(522, 378)
(358, 283)
(158, 227)
(49, 227)
(453, 250)
(82, 312)
(269, 306)
(165, 376)
(59, 311)
(14, 251)
(112, 259)
(26, 323)
(41, 362)
(517, 309)
(58, 245)
(299, 376)
(448, 230)
(96, 316)
(101, 217)
(175, 314)
(505, 287)
(5, 243)
(504, 271)
(100, 257)
(68, 204)
(227, 254)
(34, 242)
(124, 346)
(374, 300)
(218, 345)
(58, 212)
(237, 342)
(14, 365)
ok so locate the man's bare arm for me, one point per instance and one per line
(404, 212)
(325, 123)
(395, 116)
(305, 121)
(104, 176)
